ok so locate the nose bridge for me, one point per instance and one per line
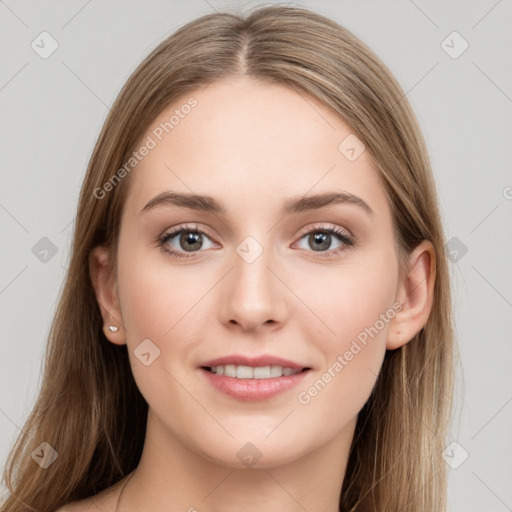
(253, 297)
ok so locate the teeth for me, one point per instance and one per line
(249, 372)
(262, 372)
(276, 371)
(244, 372)
(229, 370)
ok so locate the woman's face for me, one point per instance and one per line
(260, 280)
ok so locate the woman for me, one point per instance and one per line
(257, 311)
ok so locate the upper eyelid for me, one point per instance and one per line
(326, 226)
(180, 227)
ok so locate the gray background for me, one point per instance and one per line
(53, 108)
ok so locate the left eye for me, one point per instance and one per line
(321, 238)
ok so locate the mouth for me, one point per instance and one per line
(253, 379)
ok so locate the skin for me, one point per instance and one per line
(252, 146)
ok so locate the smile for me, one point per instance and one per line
(249, 372)
(253, 377)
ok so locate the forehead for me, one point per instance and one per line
(252, 145)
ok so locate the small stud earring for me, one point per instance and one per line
(113, 328)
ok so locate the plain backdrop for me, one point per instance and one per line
(453, 60)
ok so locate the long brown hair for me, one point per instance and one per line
(89, 408)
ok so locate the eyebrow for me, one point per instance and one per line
(293, 205)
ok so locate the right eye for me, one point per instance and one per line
(190, 237)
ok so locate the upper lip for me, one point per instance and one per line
(259, 361)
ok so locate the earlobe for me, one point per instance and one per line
(416, 294)
(106, 294)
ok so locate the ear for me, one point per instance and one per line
(415, 292)
(105, 288)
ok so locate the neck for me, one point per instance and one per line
(173, 477)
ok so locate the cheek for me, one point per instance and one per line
(357, 309)
(159, 303)
(155, 295)
(345, 301)
(167, 304)
(335, 394)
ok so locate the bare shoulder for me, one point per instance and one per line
(92, 504)
(78, 506)
(104, 501)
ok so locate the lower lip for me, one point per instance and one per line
(253, 389)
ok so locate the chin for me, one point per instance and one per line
(256, 452)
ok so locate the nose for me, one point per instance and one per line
(253, 296)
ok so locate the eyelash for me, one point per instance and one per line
(342, 236)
